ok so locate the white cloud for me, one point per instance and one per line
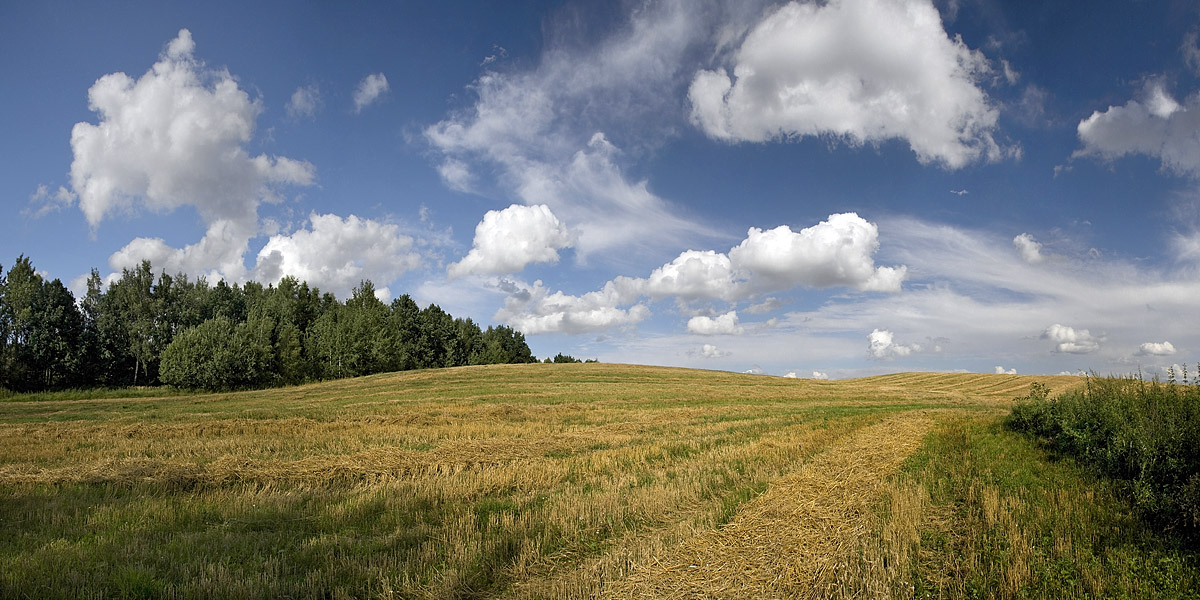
(1071, 340)
(1155, 125)
(881, 345)
(1011, 75)
(456, 175)
(335, 254)
(711, 351)
(534, 310)
(175, 137)
(726, 324)
(546, 134)
(1191, 51)
(838, 251)
(766, 306)
(610, 212)
(1002, 371)
(1156, 349)
(369, 90)
(693, 275)
(218, 255)
(305, 102)
(508, 240)
(815, 375)
(47, 202)
(864, 71)
(1029, 249)
(973, 296)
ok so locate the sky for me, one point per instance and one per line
(807, 189)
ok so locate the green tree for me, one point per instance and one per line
(436, 340)
(503, 344)
(217, 355)
(133, 305)
(329, 347)
(22, 284)
(403, 326)
(53, 342)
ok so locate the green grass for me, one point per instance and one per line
(1000, 517)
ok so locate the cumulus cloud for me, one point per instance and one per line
(1156, 349)
(1029, 249)
(508, 240)
(218, 255)
(175, 137)
(864, 71)
(881, 345)
(1070, 340)
(1002, 371)
(726, 324)
(815, 375)
(694, 274)
(837, 251)
(305, 102)
(1154, 124)
(369, 90)
(711, 351)
(335, 254)
(534, 310)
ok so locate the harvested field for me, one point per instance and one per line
(533, 481)
(797, 538)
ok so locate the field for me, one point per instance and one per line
(564, 481)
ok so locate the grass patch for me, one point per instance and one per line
(1143, 434)
(983, 512)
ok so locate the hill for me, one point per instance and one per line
(548, 481)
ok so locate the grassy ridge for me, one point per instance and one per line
(533, 481)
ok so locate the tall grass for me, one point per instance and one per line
(981, 511)
(1144, 434)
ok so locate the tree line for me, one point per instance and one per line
(143, 329)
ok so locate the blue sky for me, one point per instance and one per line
(809, 189)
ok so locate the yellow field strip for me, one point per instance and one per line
(791, 541)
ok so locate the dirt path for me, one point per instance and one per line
(791, 541)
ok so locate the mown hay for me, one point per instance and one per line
(795, 539)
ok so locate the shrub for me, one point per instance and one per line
(217, 355)
(1143, 433)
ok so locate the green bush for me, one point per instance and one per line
(1143, 433)
(217, 355)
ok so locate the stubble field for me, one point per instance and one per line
(563, 481)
